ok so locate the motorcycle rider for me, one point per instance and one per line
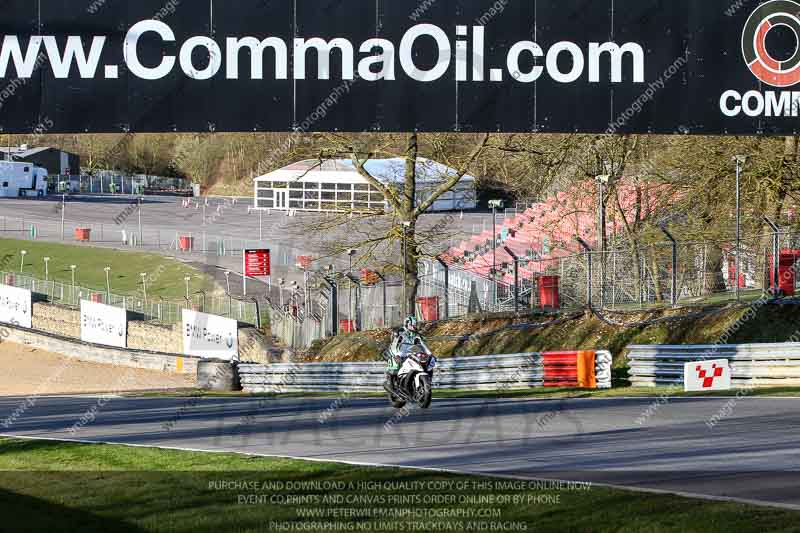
(403, 341)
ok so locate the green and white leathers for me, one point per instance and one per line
(403, 341)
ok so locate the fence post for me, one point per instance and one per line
(674, 286)
(775, 284)
(516, 277)
(258, 314)
(446, 268)
(588, 270)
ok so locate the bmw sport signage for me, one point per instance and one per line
(615, 66)
(209, 336)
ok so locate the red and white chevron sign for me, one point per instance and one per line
(707, 375)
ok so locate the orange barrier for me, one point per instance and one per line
(570, 369)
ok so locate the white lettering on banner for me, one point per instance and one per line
(707, 376)
(15, 306)
(201, 57)
(209, 336)
(104, 324)
(756, 104)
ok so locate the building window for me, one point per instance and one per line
(329, 186)
(328, 195)
(296, 204)
(361, 187)
(312, 205)
(5, 184)
(344, 196)
(264, 184)
(266, 193)
(295, 185)
(344, 186)
(295, 194)
(361, 197)
(312, 195)
(376, 197)
(278, 184)
(312, 185)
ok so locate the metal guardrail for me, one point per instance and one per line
(490, 372)
(751, 364)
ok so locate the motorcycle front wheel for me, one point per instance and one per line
(424, 393)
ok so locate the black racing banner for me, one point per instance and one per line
(615, 66)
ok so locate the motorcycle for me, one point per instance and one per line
(413, 383)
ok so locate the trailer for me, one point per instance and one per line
(20, 179)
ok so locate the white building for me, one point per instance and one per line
(22, 179)
(335, 185)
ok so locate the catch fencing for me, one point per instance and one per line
(751, 364)
(621, 278)
(151, 309)
(490, 372)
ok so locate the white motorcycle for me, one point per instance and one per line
(414, 381)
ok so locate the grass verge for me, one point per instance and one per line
(53, 486)
(165, 276)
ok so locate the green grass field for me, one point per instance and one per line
(59, 487)
(165, 276)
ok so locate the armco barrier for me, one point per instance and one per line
(491, 372)
(751, 364)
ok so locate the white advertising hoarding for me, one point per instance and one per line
(707, 375)
(210, 336)
(104, 324)
(15, 306)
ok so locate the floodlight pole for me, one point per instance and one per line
(446, 268)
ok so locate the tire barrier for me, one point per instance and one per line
(751, 364)
(584, 369)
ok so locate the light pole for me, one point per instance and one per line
(72, 268)
(739, 159)
(22, 260)
(227, 281)
(108, 283)
(46, 269)
(281, 281)
(495, 205)
(144, 286)
(187, 279)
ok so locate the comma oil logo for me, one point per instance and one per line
(762, 21)
(766, 66)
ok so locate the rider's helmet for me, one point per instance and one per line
(411, 324)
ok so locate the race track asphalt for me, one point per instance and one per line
(746, 448)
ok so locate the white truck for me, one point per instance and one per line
(20, 179)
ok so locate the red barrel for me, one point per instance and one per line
(548, 292)
(429, 307)
(347, 326)
(186, 243)
(83, 234)
(96, 297)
